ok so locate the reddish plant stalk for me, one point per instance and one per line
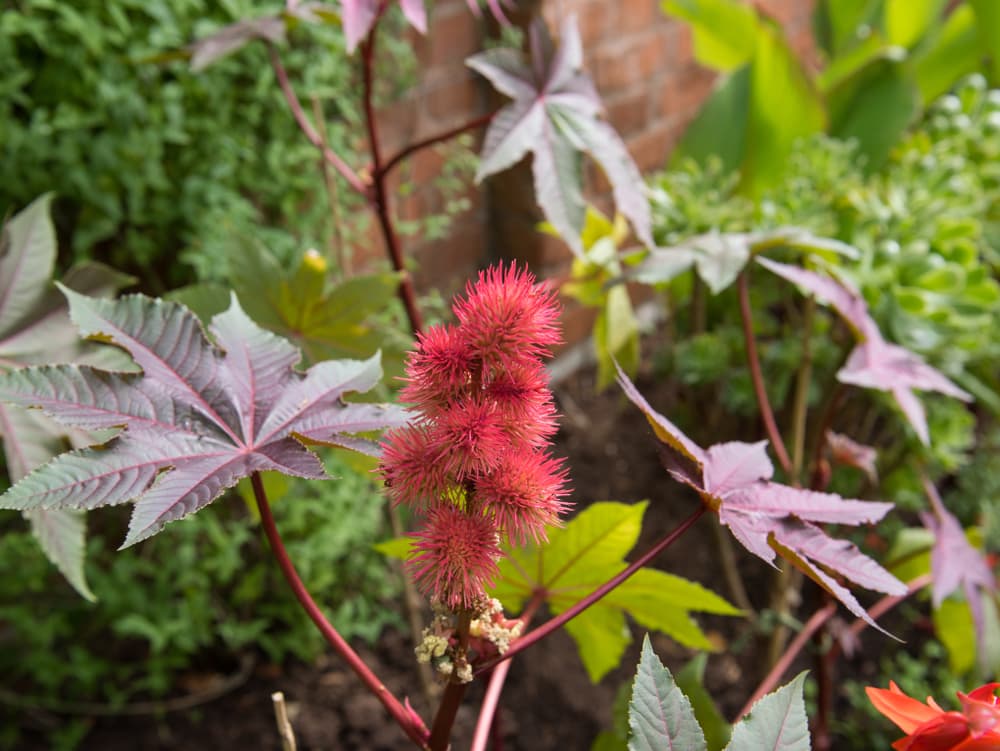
(757, 376)
(447, 135)
(553, 623)
(491, 701)
(818, 618)
(454, 692)
(379, 199)
(406, 719)
(352, 178)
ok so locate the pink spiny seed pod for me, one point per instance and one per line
(468, 437)
(506, 317)
(524, 402)
(456, 557)
(439, 370)
(524, 493)
(413, 475)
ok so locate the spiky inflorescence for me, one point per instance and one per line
(474, 459)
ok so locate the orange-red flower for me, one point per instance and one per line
(930, 728)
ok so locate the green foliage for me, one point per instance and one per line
(324, 317)
(194, 598)
(151, 160)
(885, 60)
(662, 717)
(581, 556)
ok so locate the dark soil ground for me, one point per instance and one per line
(549, 703)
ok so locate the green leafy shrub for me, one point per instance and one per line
(149, 159)
(195, 598)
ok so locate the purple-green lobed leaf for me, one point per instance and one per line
(768, 517)
(874, 363)
(554, 115)
(199, 417)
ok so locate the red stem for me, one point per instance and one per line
(352, 177)
(407, 719)
(553, 623)
(447, 135)
(491, 701)
(820, 617)
(379, 199)
(766, 413)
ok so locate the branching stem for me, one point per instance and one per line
(558, 621)
(757, 376)
(447, 135)
(406, 719)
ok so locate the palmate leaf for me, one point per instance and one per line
(956, 564)
(326, 319)
(766, 517)
(660, 717)
(584, 554)
(874, 363)
(554, 115)
(197, 419)
(35, 327)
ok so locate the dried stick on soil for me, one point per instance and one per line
(284, 726)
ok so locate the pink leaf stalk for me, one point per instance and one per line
(474, 460)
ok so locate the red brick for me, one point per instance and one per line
(596, 21)
(631, 62)
(453, 34)
(651, 149)
(637, 15)
(446, 264)
(629, 112)
(453, 100)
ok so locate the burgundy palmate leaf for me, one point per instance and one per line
(554, 116)
(955, 563)
(199, 417)
(768, 517)
(496, 8)
(358, 18)
(874, 363)
(230, 38)
(415, 13)
(850, 453)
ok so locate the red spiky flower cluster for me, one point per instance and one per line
(474, 461)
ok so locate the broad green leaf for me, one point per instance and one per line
(879, 113)
(775, 723)
(616, 336)
(62, 536)
(691, 681)
(953, 626)
(601, 636)
(27, 256)
(955, 52)
(660, 716)
(784, 107)
(584, 554)
(724, 31)
(844, 18)
(400, 548)
(719, 128)
(907, 21)
(843, 68)
(988, 27)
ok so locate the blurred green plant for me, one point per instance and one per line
(192, 601)
(884, 61)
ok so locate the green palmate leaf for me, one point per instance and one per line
(724, 30)
(660, 716)
(907, 21)
(199, 417)
(775, 723)
(879, 112)
(718, 129)
(35, 327)
(954, 53)
(554, 116)
(584, 554)
(988, 27)
(843, 18)
(784, 107)
(691, 681)
(326, 319)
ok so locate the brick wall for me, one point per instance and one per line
(642, 63)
